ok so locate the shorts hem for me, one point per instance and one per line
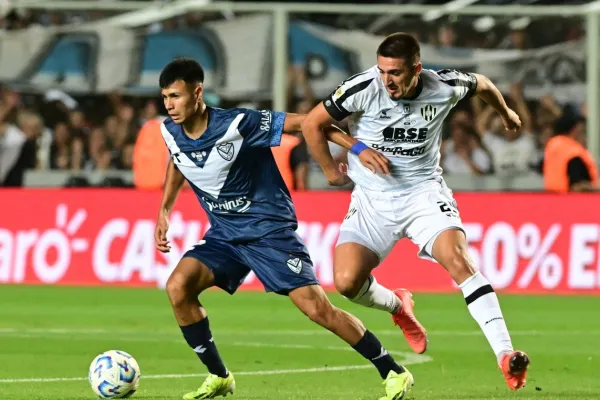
(426, 251)
(361, 240)
(212, 268)
(286, 291)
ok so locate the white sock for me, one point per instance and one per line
(373, 295)
(485, 309)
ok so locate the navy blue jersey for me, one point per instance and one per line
(233, 173)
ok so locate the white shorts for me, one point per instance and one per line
(377, 220)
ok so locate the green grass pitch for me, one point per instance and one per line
(276, 353)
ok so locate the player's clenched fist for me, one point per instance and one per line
(511, 120)
(160, 234)
(375, 161)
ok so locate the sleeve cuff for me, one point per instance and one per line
(472, 87)
(277, 123)
(337, 112)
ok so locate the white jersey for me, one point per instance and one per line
(407, 131)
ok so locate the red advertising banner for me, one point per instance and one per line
(527, 243)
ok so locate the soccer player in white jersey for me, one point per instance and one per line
(225, 156)
(397, 109)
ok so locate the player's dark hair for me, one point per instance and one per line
(400, 45)
(184, 69)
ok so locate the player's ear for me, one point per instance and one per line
(418, 68)
(198, 92)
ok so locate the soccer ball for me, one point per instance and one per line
(114, 374)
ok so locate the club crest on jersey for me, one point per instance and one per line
(428, 112)
(226, 151)
(295, 264)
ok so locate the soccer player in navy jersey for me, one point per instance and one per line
(225, 157)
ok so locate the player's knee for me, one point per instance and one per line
(319, 312)
(347, 285)
(177, 290)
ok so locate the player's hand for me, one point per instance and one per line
(511, 120)
(375, 161)
(160, 234)
(338, 177)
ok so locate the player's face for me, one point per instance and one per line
(182, 100)
(398, 76)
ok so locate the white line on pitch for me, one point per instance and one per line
(279, 332)
(408, 359)
(177, 376)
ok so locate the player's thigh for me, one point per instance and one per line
(220, 262)
(190, 277)
(431, 212)
(367, 234)
(281, 262)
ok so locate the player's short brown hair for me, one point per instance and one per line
(400, 45)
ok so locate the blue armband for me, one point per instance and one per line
(358, 147)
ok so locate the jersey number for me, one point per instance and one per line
(444, 207)
(448, 208)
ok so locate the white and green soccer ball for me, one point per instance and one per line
(114, 374)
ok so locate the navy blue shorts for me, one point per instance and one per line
(280, 261)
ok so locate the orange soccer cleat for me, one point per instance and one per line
(514, 368)
(415, 334)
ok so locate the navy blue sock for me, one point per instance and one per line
(370, 348)
(200, 339)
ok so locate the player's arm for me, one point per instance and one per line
(372, 159)
(173, 183)
(316, 140)
(489, 93)
(293, 122)
(317, 129)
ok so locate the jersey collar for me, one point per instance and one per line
(417, 92)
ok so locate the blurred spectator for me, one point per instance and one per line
(21, 148)
(463, 153)
(292, 159)
(517, 39)
(568, 165)
(98, 152)
(97, 131)
(149, 112)
(512, 152)
(446, 37)
(61, 148)
(292, 156)
(150, 157)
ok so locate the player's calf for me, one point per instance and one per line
(450, 250)
(187, 281)
(313, 302)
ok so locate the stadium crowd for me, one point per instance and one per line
(54, 131)
(57, 132)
